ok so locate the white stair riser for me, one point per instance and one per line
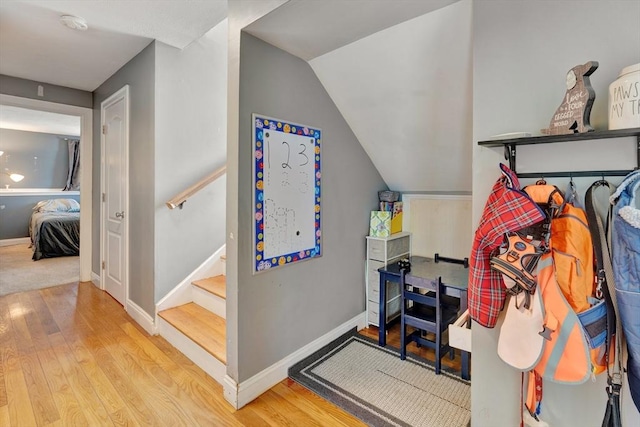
(212, 366)
(181, 293)
(223, 262)
(211, 302)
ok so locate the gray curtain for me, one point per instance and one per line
(73, 178)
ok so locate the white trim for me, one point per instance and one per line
(182, 294)
(86, 156)
(16, 241)
(212, 366)
(36, 192)
(142, 317)
(123, 93)
(230, 391)
(241, 394)
(407, 198)
(95, 279)
(211, 302)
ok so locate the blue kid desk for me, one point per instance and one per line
(454, 277)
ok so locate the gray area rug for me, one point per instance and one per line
(18, 272)
(373, 384)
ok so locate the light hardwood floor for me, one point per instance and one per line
(71, 356)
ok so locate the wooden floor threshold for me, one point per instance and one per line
(206, 329)
(216, 285)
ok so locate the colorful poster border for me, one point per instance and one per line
(259, 123)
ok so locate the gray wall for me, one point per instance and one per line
(282, 310)
(241, 13)
(42, 158)
(522, 52)
(59, 94)
(139, 75)
(15, 213)
(190, 143)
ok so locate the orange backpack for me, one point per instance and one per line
(573, 262)
(573, 319)
(574, 343)
(570, 244)
(572, 250)
(565, 357)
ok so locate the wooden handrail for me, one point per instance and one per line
(178, 200)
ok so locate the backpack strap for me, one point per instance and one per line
(606, 284)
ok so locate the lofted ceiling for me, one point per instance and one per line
(337, 37)
(399, 72)
(405, 92)
(34, 44)
(309, 28)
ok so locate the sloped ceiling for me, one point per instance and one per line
(406, 93)
(400, 72)
(310, 28)
(402, 83)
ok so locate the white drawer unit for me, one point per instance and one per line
(380, 252)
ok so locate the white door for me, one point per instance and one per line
(115, 141)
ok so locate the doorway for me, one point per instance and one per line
(114, 223)
(86, 148)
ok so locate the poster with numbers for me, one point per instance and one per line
(286, 192)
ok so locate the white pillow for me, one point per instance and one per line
(57, 205)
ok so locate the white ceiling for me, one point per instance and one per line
(35, 45)
(311, 28)
(38, 121)
(405, 92)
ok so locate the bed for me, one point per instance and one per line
(54, 228)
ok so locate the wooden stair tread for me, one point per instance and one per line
(216, 285)
(206, 329)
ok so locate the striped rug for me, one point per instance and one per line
(373, 384)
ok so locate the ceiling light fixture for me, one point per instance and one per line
(74, 22)
(16, 177)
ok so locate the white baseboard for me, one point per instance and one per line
(241, 394)
(95, 279)
(142, 317)
(16, 241)
(181, 294)
(230, 391)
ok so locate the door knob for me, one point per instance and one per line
(120, 214)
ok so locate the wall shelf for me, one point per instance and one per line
(511, 144)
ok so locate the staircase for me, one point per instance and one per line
(198, 327)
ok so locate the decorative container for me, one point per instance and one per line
(380, 224)
(624, 99)
(388, 196)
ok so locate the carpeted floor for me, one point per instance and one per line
(18, 272)
(372, 383)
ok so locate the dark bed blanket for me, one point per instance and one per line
(55, 234)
